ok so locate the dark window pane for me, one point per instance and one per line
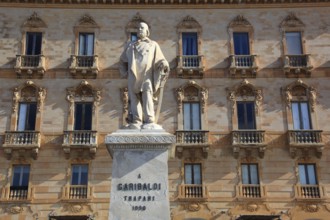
(250, 174)
(83, 116)
(79, 174)
(293, 43)
(307, 174)
(21, 175)
(189, 44)
(193, 174)
(191, 116)
(27, 116)
(301, 116)
(134, 36)
(86, 44)
(33, 43)
(241, 43)
(246, 115)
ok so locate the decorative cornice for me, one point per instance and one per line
(34, 21)
(242, 3)
(291, 21)
(240, 20)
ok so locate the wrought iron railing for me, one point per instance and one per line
(248, 137)
(192, 191)
(305, 137)
(192, 137)
(309, 191)
(243, 61)
(22, 138)
(80, 137)
(251, 191)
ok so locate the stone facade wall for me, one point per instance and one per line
(221, 170)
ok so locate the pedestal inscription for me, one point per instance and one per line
(139, 185)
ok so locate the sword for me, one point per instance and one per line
(161, 92)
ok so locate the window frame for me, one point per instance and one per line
(245, 115)
(192, 114)
(79, 181)
(21, 173)
(85, 37)
(249, 173)
(27, 114)
(83, 124)
(301, 116)
(306, 170)
(193, 179)
(241, 43)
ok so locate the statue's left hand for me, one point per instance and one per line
(163, 67)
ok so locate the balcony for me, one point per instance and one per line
(16, 193)
(309, 192)
(248, 140)
(305, 140)
(191, 66)
(84, 66)
(192, 141)
(251, 191)
(297, 64)
(83, 140)
(193, 192)
(243, 65)
(30, 65)
(22, 142)
(77, 192)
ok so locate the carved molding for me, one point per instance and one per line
(83, 92)
(244, 90)
(15, 209)
(299, 90)
(136, 139)
(34, 21)
(187, 23)
(29, 92)
(134, 22)
(191, 91)
(86, 21)
(291, 21)
(239, 21)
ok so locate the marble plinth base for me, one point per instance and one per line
(139, 184)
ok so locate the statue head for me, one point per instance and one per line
(143, 30)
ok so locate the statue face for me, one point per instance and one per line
(143, 31)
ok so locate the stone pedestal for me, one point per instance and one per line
(139, 184)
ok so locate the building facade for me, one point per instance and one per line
(247, 98)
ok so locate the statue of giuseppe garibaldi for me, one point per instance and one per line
(145, 66)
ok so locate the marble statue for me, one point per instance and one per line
(145, 66)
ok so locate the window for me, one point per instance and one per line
(301, 116)
(246, 115)
(33, 43)
(83, 116)
(250, 174)
(293, 43)
(193, 174)
(189, 44)
(86, 44)
(79, 174)
(192, 116)
(134, 36)
(307, 174)
(241, 43)
(21, 177)
(27, 116)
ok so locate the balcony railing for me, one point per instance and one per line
(76, 192)
(297, 63)
(305, 137)
(190, 66)
(84, 64)
(248, 137)
(192, 137)
(251, 191)
(309, 191)
(80, 138)
(243, 63)
(22, 138)
(30, 63)
(192, 191)
(17, 193)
